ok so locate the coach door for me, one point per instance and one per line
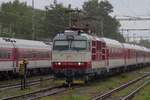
(15, 58)
(96, 51)
(93, 50)
(107, 56)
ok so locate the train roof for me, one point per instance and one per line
(31, 44)
(22, 43)
(136, 47)
(109, 42)
(112, 43)
(89, 37)
(82, 36)
(3, 43)
(129, 46)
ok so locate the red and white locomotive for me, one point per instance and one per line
(13, 51)
(77, 55)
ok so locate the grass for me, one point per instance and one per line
(144, 94)
(81, 93)
(129, 89)
(96, 87)
(14, 81)
(70, 97)
(18, 91)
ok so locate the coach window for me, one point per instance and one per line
(93, 57)
(100, 56)
(98, 45)
(93, 43)
(103, 44)
(47, 55)
(43, 54)
(0, 54)
(103, 54)
(103, 51)
(93, 50)
(4, 54)
(118, 53)
(103, 57)
(39, 55)
(34, 54)
(8, 55)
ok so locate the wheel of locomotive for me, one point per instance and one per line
(69, 82)
(86, 79)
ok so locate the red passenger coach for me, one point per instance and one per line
(13, 51)
(77, 55)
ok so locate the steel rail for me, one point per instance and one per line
(38, 93)
(131, 95)
(17, 85)
(109, 93)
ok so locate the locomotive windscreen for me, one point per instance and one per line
(70, 45)
(78, 45)
(61, 45)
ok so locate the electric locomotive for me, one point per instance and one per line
(71, 56)
(77, 55)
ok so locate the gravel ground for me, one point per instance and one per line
(98, 87)
(18, 91)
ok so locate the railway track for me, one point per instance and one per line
(133, 93)
(109, 93)
(38, 93)
(17, 85)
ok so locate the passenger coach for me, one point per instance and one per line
(13, 51)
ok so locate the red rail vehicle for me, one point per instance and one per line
(13, 51)
(77, 55)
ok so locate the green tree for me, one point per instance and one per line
(145, 43)
(39, 21)
(16, 18)
(100, 11)
(57, 19)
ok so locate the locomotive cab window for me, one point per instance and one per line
(70, 45)
(61, 45)
(78, 45)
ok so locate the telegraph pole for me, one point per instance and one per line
(33, 24)
(0, 23)
(102, 27)
(73, 21)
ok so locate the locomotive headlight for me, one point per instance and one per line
(79, 63)
(59, 63)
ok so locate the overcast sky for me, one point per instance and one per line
(139, 8)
